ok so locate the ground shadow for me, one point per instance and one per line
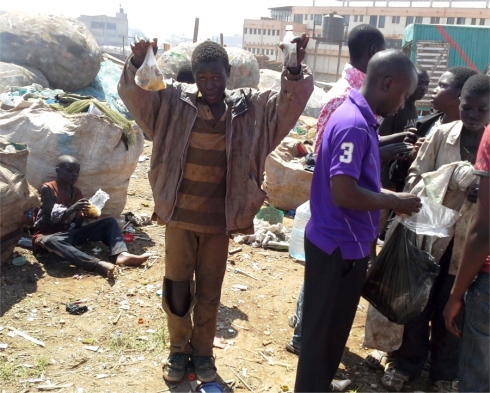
(17, 282)
(226, 327)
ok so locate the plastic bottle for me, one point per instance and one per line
(289, 51)
(297, 241)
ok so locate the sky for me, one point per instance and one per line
(215, 16)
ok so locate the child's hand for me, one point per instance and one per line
(140, 47)
(81, 205)
(301, 43)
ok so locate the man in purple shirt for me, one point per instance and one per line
(345, 200)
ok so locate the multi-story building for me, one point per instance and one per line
(390, 16)
(108, 30)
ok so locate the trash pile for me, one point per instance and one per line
(17, 198)
(244, 65)
(266, 235)
(270, 79)
(61, 49)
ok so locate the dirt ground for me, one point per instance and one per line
(95, 352)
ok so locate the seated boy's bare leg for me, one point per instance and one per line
(127, 259)
(106, 267)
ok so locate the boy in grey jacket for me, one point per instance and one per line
(207, 165)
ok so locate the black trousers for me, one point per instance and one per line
(428, 333)
(332, 291)
(106, 230)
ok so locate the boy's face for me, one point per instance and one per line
(422, 86)
(211, 80)
(68, 172)
(474, 111)
(445, 95)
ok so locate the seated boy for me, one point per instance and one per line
(59, 222)
(207, 168)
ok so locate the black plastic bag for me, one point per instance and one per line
(400, 279)
(75, 309)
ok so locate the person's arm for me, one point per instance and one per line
(144, 106)
(476, 250)
(48, 201)
(347, 194)
(279, 110)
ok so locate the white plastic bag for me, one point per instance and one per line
(433, 219)
(149, 77)
(98, 202)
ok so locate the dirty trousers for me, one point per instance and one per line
(188, 253)
(332, 289)
(106, 230)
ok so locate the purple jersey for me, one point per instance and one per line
(350, 147)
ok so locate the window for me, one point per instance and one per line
(298, 18)
(381, 21)
(110, 26)
(255, 31)
(318, 19)
(355, 18)
(409, 20)
(267, 52)
(393, 44)
(460, 21)
(482, 22)
(395, 19)
(435, 20)
(98, 25)
(269, 32)
(450, 21)
(277, 32)
(346, 20)
(311, 16)
(273, 32)
(259, 31)
(361, 18)
(419, 19)
(306, 17)
(373, 20)
(473, 21)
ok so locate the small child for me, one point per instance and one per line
(59, 222)
(207, 168)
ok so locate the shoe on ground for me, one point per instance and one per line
(174, 369)
(291, 348)
(446, 386)
(204, 368)
(393, 379)
(340, 385)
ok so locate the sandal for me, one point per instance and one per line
(377, 360)
(393, 380)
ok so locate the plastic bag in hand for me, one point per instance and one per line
(400, 279)
(148, 76)
(433, 219)
(97, 202)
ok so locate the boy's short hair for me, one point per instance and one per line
(209, 51)
(461, 75)
(361, 38)
(478, 84)
(184, 74)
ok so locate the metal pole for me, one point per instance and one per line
(196, 30)
(317, 43)
(221, 39)
(338, 61)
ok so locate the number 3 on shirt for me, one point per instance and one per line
(348, 148)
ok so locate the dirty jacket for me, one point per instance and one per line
(438, 151)
(257, 121)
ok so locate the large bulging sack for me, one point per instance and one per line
(16, 197)
(95, 141)
(270, 79)
(63, 49)
(244, 65)
(286, 183)
(15, 75)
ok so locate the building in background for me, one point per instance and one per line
(262, 37)
(108, 30)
